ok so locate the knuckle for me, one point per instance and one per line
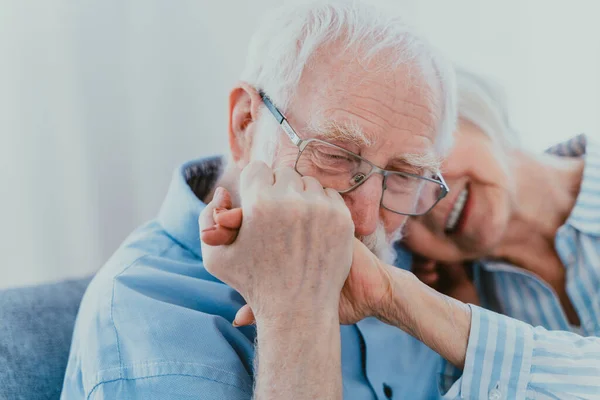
(286, 175)
(330, 211)
(252, 169)
(256, 165)
(330, 192)
(287, 170)
(342, 216)
(311, 181)
(334, 194)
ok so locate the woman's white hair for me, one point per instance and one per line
(483, 102)
(290, 35)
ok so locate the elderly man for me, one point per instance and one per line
(369, 112)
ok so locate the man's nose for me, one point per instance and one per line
(364, 204)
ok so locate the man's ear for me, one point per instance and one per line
(244, 105)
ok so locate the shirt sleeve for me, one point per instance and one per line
(168, 387)
(509, 359)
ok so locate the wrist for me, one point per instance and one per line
(296, 317)
(298, 354)
(440, 322)
(398, 308)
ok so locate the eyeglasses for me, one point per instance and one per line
(337, 168)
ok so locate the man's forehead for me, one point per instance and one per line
(365, 117)
(418, 152)
(368, 101)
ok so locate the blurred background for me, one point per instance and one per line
(101, 99)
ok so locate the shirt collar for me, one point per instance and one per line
(182, 206)
(585, 216)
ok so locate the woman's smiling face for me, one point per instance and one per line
(473, 218)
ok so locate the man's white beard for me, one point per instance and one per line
(382, 244)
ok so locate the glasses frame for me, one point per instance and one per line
(302, 143)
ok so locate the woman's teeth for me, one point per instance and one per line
(457, 210)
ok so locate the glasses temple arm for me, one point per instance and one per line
(276, 113)
(280, 119)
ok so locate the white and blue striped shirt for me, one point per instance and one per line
(535, 353)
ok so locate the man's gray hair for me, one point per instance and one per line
(483, 102)
(290, 35)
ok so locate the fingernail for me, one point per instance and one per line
(235, 324)
(211, 228)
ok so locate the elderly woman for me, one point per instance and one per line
(539, 218)
(532, 222)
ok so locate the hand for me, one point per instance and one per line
(293, 252)
(450, 279)
(441, 323)
(367, 289)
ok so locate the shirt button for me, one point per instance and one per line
(387, 391)
(494, 394)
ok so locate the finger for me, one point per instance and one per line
(286, 177)
(426, 265)
(231, 219)
(244, 316)
(219, 236)
(429, 278)
(312, 185)
(226, 229)
(456, 272)
(256, 174)
(221, 199)
(338, 200)
(334, 195)
(423, 264)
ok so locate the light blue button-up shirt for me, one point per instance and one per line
(154, 324)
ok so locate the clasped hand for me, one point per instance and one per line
(290, 250)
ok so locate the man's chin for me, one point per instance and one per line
(382, 244)
(387, 255)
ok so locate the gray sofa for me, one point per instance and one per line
(36, 324)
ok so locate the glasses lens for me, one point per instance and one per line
(410, 195)
(341, 170)
(334, 167)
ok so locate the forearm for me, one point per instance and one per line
(299, 359)
(441, 322)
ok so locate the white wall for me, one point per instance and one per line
(546, 53)
(100, 100)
